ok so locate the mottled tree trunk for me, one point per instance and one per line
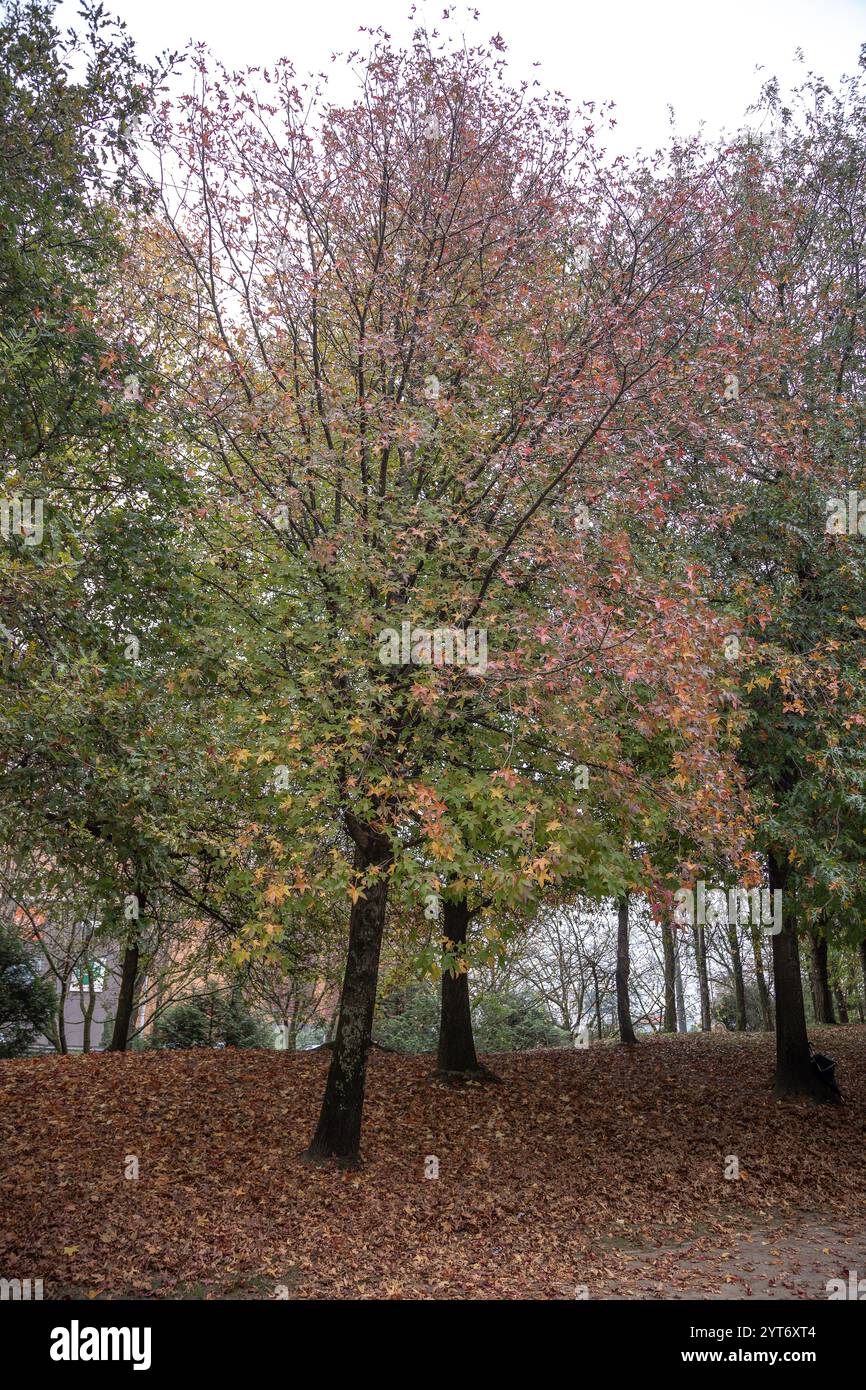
(623, 1006)
(456, 1042)
(794, 1072)
(128, 977)
(338, 1133)
(703, 979)
(61, 1044)
(670, 1023)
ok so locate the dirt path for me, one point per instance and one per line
(794, 1261)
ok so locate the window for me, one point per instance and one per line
(94, 970)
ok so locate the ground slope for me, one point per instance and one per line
(601, 1170)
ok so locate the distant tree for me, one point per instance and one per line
(727, 1008)
(26, 1000)
(515, 1022)
(408, 1019)
(209, 1020)
(507, 1021)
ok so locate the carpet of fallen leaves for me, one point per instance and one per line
(601, 1168)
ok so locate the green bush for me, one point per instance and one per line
(514, 1023)
(209, 1020)
(26, 1001)
(408, 1020)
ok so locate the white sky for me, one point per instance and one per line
(698, 55)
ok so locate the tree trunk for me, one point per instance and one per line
(820, 979)
(703, 981)
(739, 986)
(338, 1133)
(63, 1046)
(763, 991)
(863, 969)
(125, 997)
(670, 1024)
(623, 1008)
(597, 999)
(456, 1042)
(88, 1013)
(679, 993)
(794, 1073)
(841, 1005)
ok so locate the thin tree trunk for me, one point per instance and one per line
(841, 1005)
(623, 1007)
(820, 979)
(456, 1042)
(763, 991)
(794, 1072)
(703, 981)
(338, 1133)
(739, 986)
(63, 1046)
(863, 969)
(88, 1012)
(679, 993)
(597, 999)
(670, 1023)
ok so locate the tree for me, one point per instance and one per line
(98, 651)
(26, 1000)
(399, 333)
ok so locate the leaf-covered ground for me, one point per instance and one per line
(602, 1169)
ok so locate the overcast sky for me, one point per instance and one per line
(699, 57)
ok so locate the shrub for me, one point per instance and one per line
(27, 1002)
(514, 1023)
(209, 1020)
(408, 1020)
